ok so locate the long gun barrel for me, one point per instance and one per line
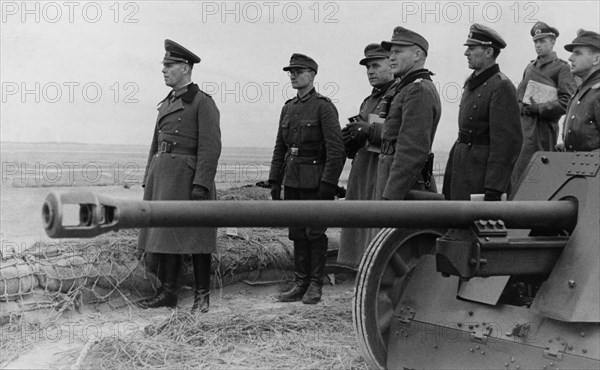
(100, 214)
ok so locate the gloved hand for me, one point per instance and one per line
(199, 192)
(346, 135)
(560, 147)
(361, 130)
(531, 110)
(492, 195)
(275, 190)
(327, 191)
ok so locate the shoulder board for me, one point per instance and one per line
(418, 80)
(502, 76)
(564, 61)
(210, 96)
(596, 86)
(323, 97)
(287, 101)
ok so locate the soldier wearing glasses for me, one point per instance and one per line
(308, 159)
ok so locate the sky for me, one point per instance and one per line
(90, 71)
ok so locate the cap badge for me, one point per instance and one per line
(537, 31)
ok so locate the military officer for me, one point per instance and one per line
(182, 165)
(365, 135)
(539, 119)
(307, 160)
(411, 121)
(582, 124)
(489, 123)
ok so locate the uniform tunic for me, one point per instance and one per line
(541, 132)
(582, 125)
(489, 114)
(362, 181)
(190, 123)
(410, 126)
(308, 150)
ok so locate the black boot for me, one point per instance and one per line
(166, 295)
(301, 269)
(318, 258)
(201, 264)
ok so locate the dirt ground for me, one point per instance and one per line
(61, 344)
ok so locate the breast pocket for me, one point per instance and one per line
(310, 131)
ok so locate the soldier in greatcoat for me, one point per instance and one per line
(582, 125)
(362, 141)
(489, 122)
(539, 119)
(308, 159)
(411, 121)
(182, 165)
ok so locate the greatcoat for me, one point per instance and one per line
(188, 125)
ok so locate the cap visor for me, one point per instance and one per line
(294, 66)
(387, 45)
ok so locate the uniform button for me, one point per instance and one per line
(176, 131)
(470, 118)
(295, 130)
(573, 116)
(475, 107)
(578, 101)
(159, 131)
(478, 95)
(470, 131)
(485, 84)
(569, 131)
(172, 156)
(174, 143)
(179, 119)
(314, 161)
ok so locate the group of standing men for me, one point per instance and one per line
(389, 142)
(500, 127)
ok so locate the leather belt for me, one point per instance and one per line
(388, 147)
(170, 147)
(469, 139)
(297, 152)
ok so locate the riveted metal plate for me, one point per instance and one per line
(584, 164)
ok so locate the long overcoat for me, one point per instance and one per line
(362, 181)
(489, 114)
(410, 127)
(190, 123)
(540, 132)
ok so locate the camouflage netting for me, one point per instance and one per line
(49, 278)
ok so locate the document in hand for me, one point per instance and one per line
(540, 92)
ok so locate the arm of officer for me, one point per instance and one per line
(506, 136)
(153, 150)
(566, 88)
(209, 142)
(413, 142)
(279, 151)
(334, 145)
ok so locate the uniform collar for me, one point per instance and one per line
(383, 88)
(594, 77)
(305, 97)
(550, 57)
(474, 81)
(176, 93)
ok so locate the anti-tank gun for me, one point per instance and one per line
(445, 284)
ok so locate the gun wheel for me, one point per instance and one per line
(380, 282)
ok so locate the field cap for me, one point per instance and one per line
(584, 38)
(541, 29)
(175, 53)
(301, 61)
(405, 37)
(374, 51)
(484, 36)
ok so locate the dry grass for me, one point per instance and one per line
(295, 337)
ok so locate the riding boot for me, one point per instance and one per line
(318, 258)
(201, 264)
(301, 272)
(166, 296)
